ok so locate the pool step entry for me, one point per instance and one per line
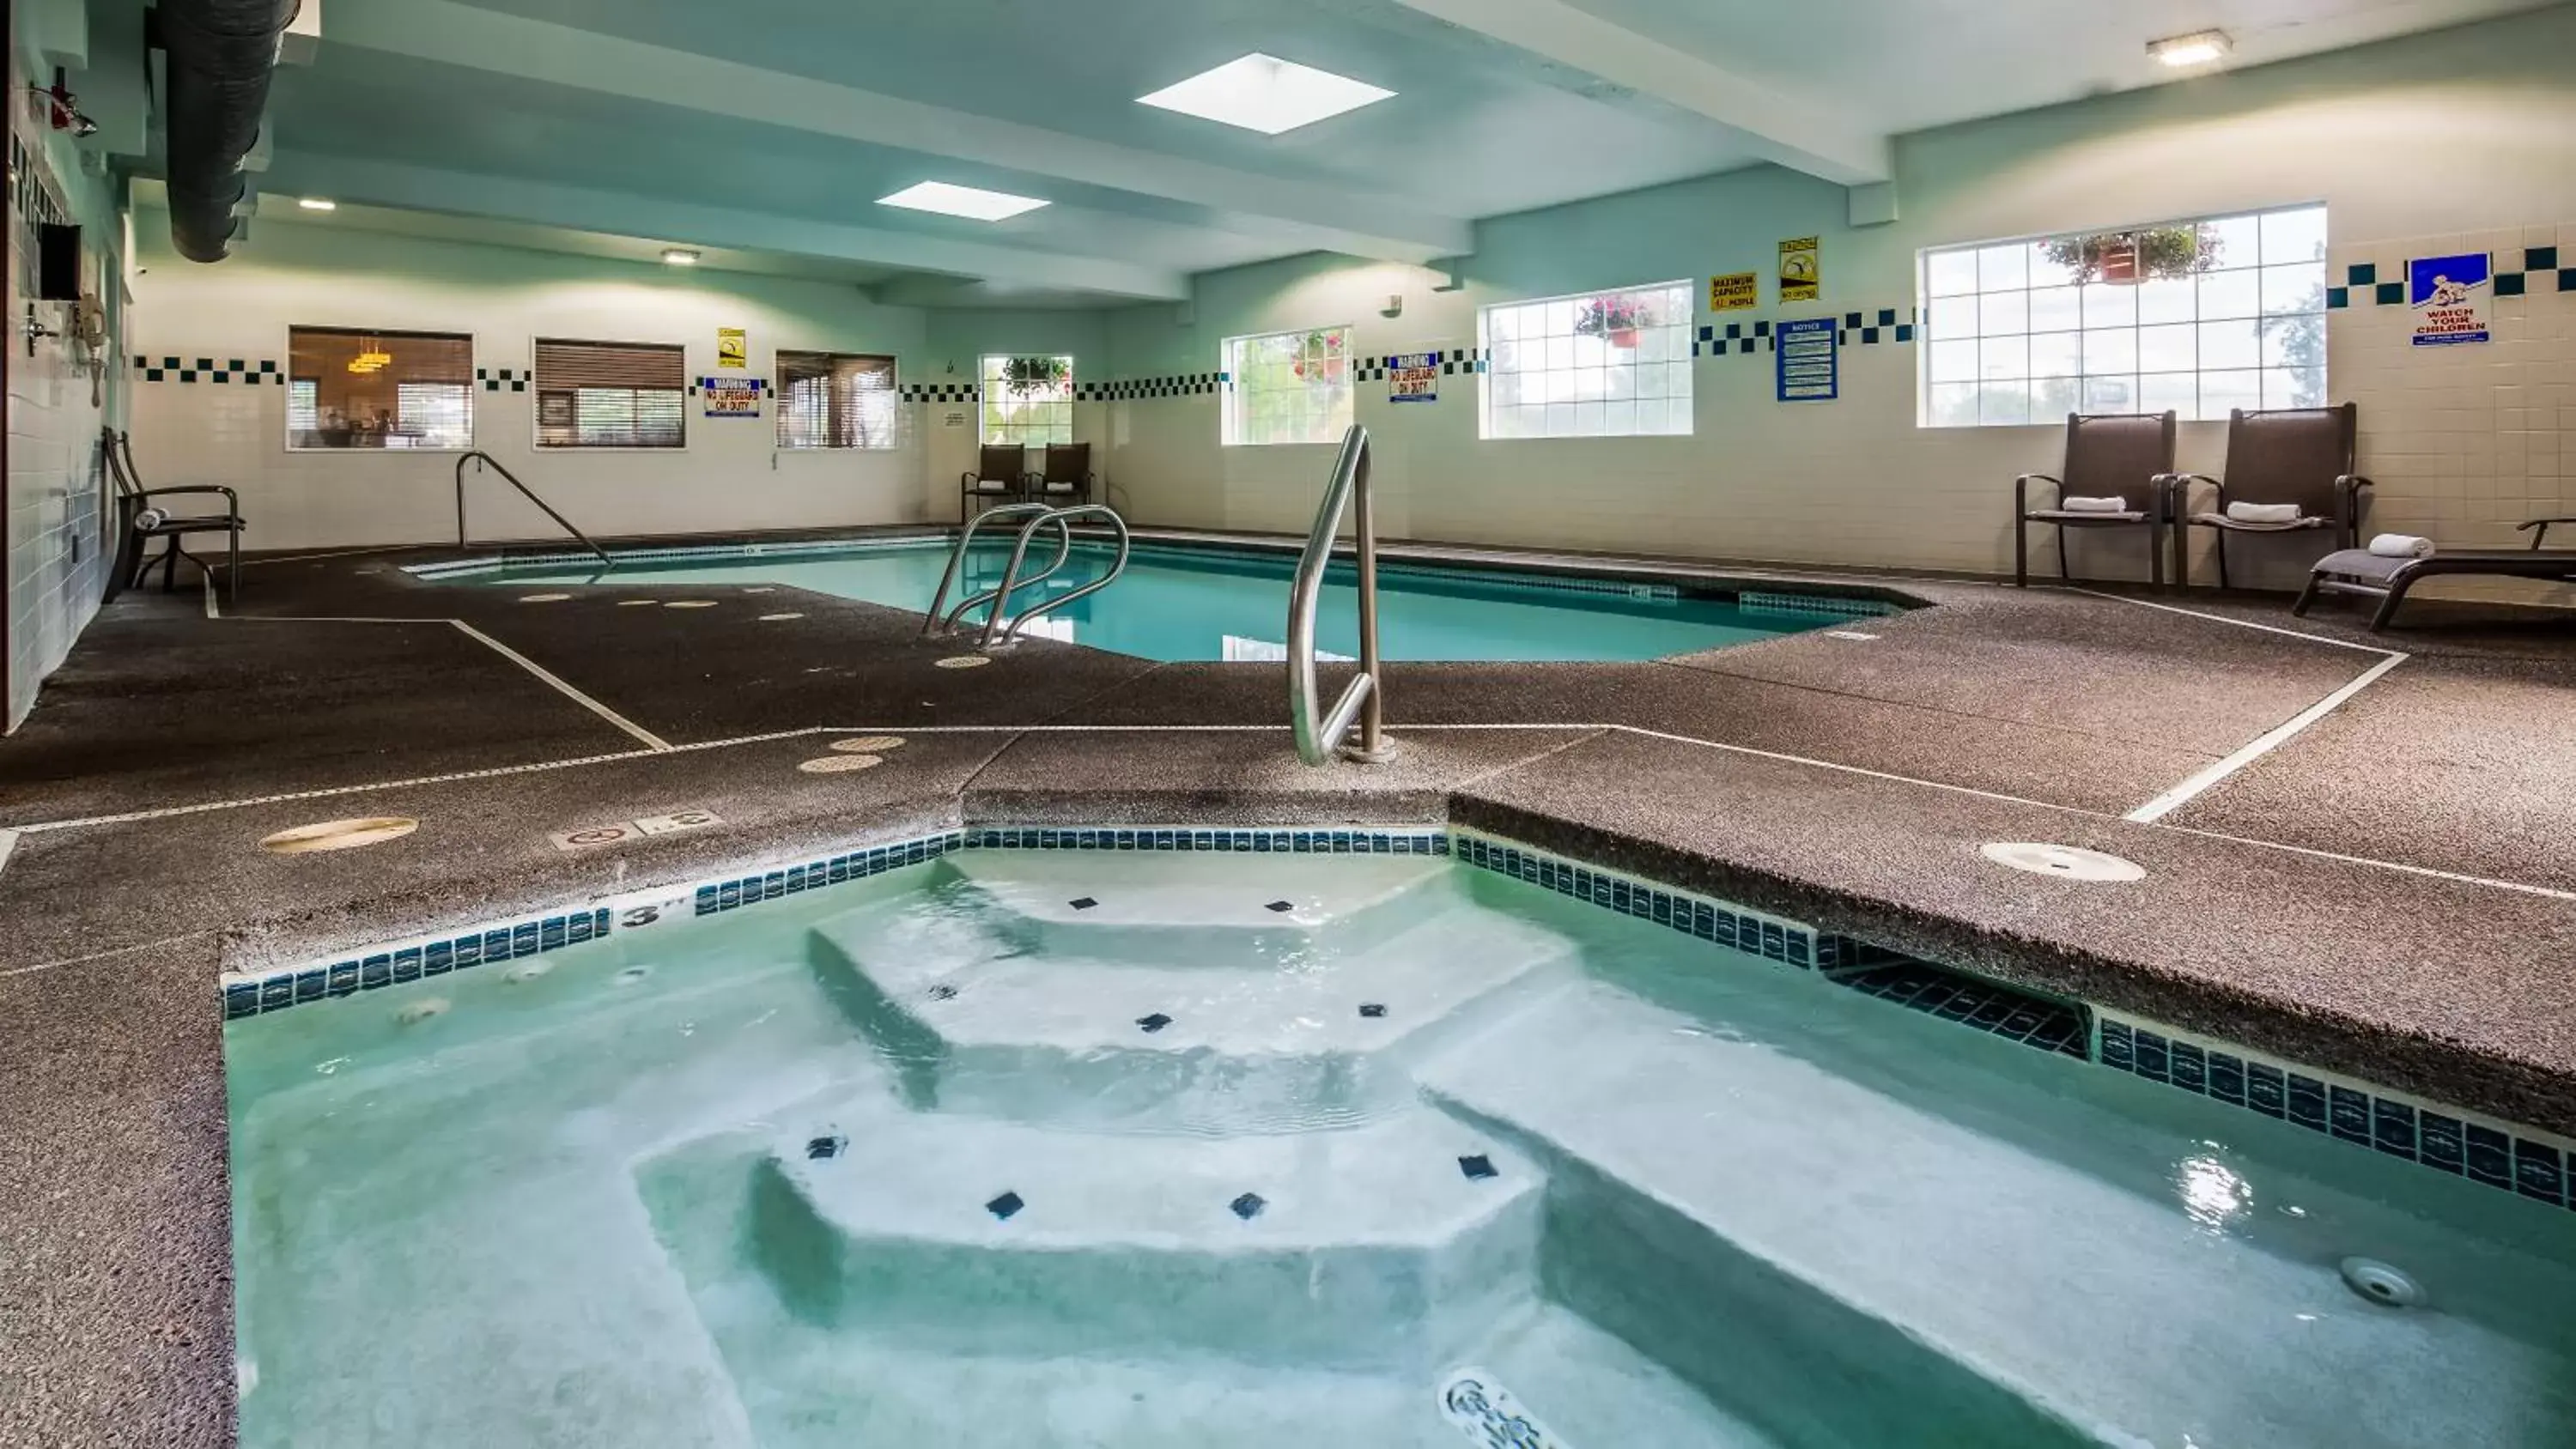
(1395, 1243)
(1056, 988)
(1814, 1213)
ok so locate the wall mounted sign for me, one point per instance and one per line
(732, 397)
(1735, 292)
(2448, 296)
(1809, 357)
(1413, 377)
(733, 347)
(1802, 272)
(955, 418)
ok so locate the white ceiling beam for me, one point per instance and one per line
(617, 213)
(1306, 214)
(1780, 126)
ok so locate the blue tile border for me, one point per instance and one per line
(2520, 1160)
(1723, 923)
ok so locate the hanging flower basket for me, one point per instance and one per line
(1027, 376)
(2126, 258)
(1615, 320)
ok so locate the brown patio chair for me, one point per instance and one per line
(1001, 475)
(141, 520)
(2108, 455)
(1068, 477)
(2298, 456)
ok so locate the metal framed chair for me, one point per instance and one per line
(140, 520)
(1000, 476)
(2300, 457)
(1067, 478)
(2108, 455)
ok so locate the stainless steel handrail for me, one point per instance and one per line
(957, 559)
(1363, 702)
(1010, 582)
(1062, 518)
(478, 457)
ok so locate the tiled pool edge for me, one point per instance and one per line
(2476, 1147)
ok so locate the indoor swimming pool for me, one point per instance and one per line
(1178, 603)
(1351, 1143)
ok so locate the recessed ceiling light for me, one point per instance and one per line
(2198, 48)
(680, 257)
(966, 201)
(1266, 94)
(318, 203)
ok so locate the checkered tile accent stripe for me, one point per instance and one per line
(940, 392)
(2543, 268)
(1452, 362)
(1870, 328)
(495, 379)
(1142, 389)
(208, 369)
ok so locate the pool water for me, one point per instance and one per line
(1178, 603)
(1080, 1149)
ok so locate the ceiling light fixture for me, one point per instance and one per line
(1266, 94)
(2198, 48)
(318, 203)
(679, 257)
(973, 203)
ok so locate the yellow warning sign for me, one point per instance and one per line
(1802, 276)
(733, 347)
(1735, 292)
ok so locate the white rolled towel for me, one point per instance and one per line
(2093, 505)
(149, 519)
(2401, 545)
(2263, 512)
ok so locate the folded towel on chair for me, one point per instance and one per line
(149, 519)
(2093, 505)
(2401, 545)
(2263, 512)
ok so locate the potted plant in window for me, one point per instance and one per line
(1028, 376)
(1319, 359)
(1614, 319)
(2161, 253)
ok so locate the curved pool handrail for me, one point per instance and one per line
(1011, 583)
(1062, 518)
(957, 556)
(1362, 703)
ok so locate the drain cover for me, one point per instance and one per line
(965, 661)
(2380, 1283)
(2065, 862)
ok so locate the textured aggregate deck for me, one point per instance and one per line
(1843, 781)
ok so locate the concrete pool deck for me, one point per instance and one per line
(2389, 891)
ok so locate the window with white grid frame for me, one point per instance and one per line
(1028, 400)
(1288, 387)
(2197, 317)
(1594, 365)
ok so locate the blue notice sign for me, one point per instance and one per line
(2449, 298)
(1413, 377)
(1810, 359)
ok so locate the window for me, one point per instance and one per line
(835, 400)
(1603, 364)
(1028, 400)
(2199, 317)
(347, 388)
(1288, 387)
(611, 395)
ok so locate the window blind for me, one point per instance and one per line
(835, 400)
(611, 394)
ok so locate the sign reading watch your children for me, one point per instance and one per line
(2448, 296)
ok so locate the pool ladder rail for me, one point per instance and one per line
(999, 631)
(480, 459)
(1363, 701)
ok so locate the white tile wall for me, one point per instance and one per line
(55, 570)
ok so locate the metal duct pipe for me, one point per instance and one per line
(221, 55)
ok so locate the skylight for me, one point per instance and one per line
(966, 201)
(1266, 94)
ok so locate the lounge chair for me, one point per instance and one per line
(139, 521)
(1067, 478)
(2108, 455)
(2360, 572)
(1001, 475)
(2296, 456)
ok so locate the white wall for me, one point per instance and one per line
(730, 478)
(2453, 141)
(54, 568)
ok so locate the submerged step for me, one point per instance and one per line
(1238, 1036)
(1169, 907)
(1399, 1241)
(1823, 1195)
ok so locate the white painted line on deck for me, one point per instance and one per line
(2224, 619)
(2397, 865)
(2263, 744)
(8, 843)
(650, 739)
